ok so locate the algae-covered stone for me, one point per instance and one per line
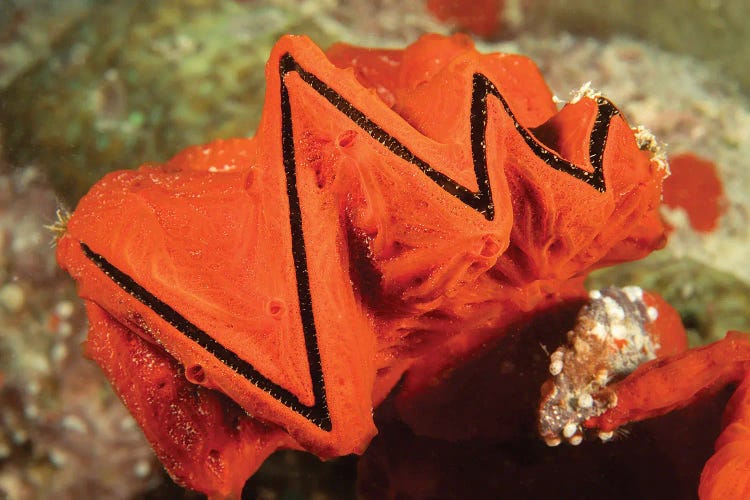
(28, 28)
(714, 31)
(137, 81)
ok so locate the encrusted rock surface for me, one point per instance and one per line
(63, 434)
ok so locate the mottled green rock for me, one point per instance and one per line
(714, 31)
(138, 81)
(710, 302)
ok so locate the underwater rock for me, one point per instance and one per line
(714, 32)
(132, 81)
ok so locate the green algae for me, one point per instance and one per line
(714, 31)
(137, 81)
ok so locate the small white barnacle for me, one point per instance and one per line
(634, 293)
(619, 331)
(606, 435)
(570, 430)
(599, 330)
(585, 400)
(552, 441)
(614, 311)
(556, 363)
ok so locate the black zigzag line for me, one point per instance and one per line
(206, 341)
(481, 201)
